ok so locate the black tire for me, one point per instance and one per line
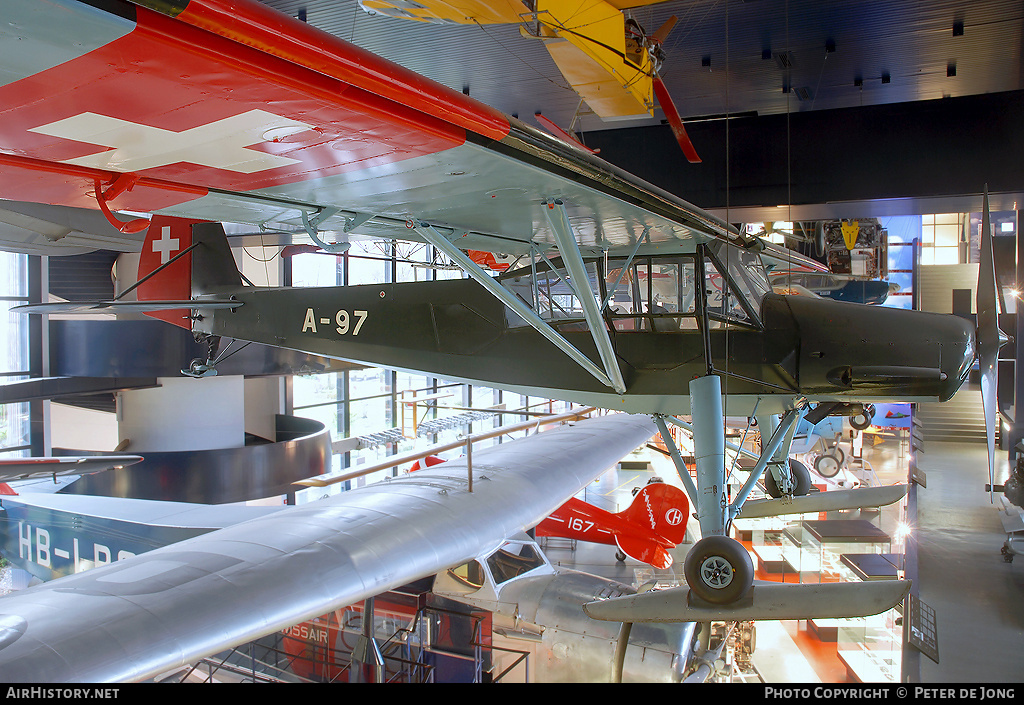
(719, 570)
(801, 480)
(862, 420)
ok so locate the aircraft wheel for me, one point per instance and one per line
(862, 420)
(719, 570)
(827, 465)
(620, 556)
(801, 480)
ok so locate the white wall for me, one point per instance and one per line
(184, 414)
(82, 429)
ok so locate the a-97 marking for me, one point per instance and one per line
(342, 320)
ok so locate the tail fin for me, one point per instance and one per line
(662, 508)
(200, 271)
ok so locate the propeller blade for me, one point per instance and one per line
(664, 30)
(989, 337)
(674, 121)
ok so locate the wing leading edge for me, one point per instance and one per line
(240, 114)
(143, 616)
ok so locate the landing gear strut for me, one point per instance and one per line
(205, 368)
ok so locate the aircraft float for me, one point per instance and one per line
(174, 117)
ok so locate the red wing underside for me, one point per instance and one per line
(190, 112)
(231, 112)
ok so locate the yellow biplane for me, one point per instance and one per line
(607, 58)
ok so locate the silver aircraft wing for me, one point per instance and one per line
(31, 468)
(143, 616)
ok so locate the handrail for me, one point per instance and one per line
(467, 441)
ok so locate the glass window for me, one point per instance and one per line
(736, 298)
(513, 560)
(661, 288)
(367, 265)
(15, 426)
(13, 275)
(14, 430)
(553, 299)
(468, 575)
(312, 269)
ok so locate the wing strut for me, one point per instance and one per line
(573, 260)
(677, 460)
(430, 235)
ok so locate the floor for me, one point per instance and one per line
(961, 573)
(978, 598)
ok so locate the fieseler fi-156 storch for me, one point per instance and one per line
(629, 298)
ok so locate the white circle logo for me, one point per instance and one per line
(674, 517)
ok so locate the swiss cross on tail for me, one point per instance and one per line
(167, 237)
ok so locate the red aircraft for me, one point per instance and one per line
(654, 523)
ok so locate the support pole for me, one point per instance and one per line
(677, 460)
(709, 449)
(367, 661)
(783, 432)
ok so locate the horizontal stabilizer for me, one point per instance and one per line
(765, 601)
(834, 501)
(124, 306)
(29, 468)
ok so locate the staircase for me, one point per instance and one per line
(961, 419)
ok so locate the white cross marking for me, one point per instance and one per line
(222, 144)
(166, 244)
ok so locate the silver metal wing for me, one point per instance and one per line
(143, 616)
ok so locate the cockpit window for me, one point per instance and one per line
(468, 575)
(513, 560)
(547, 292)
(652, 294)
(736, 297)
